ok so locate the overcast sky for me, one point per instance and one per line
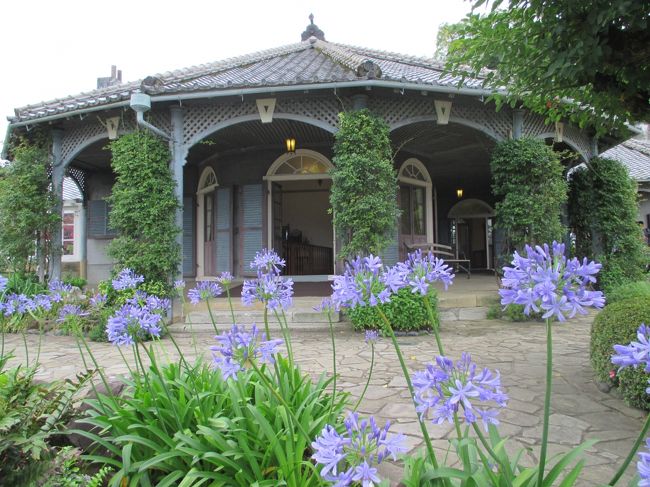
(56, 48)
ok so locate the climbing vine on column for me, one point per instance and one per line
(364, 184)
(143, 206)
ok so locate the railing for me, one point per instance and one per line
(306, 259)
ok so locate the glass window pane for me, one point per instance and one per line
(208, 218)
(419, 211)
(68, 248)
(68, 218)
(405, 206)
(68, 232)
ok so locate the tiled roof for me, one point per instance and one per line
(308, 62)
(635, 155)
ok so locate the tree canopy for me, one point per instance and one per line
(585, 61)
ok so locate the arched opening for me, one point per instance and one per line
(205, 196)
(416, 203)
(472, 222)
(301, 228)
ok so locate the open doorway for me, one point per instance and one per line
(471, 231)
(300, 228)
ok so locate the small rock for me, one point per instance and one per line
(603, 387)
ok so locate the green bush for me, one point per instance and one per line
(513, 312)
(24, 283)
(637, 290)
(618, 324)
(185, 422)
(75, 281)
(405, 311)
(30, 414)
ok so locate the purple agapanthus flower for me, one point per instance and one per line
(419, 271)
(60, 287)
(225, 278)
(18, 304)
(267, 262)
(98, 300)
(372, 336)
(271, 289)
(131, 323)
(203, 291)
(545, 280)
(325, 305)
(446, 388)
(43, 301)
(636, 353)
(70, 310)
(351, 456)
(239, 347)
(362, 284)
(3, 283)
(127, 279)
(643, 466)
(179, 284)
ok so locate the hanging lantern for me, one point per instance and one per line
(291, 144)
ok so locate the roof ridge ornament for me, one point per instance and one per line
(312, 30)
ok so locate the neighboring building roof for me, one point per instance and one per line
(312, 61)
(71, 190)
(635, 155)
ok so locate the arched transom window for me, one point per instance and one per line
(302, 164)
(413, 171)
(208, 180)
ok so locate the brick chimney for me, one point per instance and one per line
(114, 79)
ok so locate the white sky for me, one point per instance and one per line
(56, 48)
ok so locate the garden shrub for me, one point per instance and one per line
(603, 214)
(24, 283)
(234, 432)
(618, 324)
(405, 311)
(528, 181)
(143, 207)
(74, 281)
(30, 415)
(632, 290)
(513, 312)
(27, 207)
(364, 184)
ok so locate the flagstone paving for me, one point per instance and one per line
(580, 410)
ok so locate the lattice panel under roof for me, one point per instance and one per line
(322, 109)
(199, 120)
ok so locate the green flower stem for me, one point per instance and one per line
(633, 451)
(22, 332)
(284, 328)
(331, 325)
(277, 395)
(407, 376)
(547, 400)
(372, 364)
(491, 452)
(266, 323)
(232, 310)
(214, 325)
(184, 304)
(434, 325)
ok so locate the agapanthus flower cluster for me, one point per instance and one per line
(545, 280)
(127, 279)
(225, 278)
(643, 466)
(203, 291)
(58, 290)
(362, 284)
(269, 287)
(239, 347)
(134, 321)
(351, 456)
(17, 304)
(98, 300)
(636, 353)
(3, 283)
(444, 387)
(70, 310)
(419, 271)
(372, 336)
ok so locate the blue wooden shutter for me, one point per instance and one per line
(391, 253)
(98, 227)
(223, 227)
(252, 218)
(189, 262)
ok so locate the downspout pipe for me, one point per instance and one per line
(141, 103)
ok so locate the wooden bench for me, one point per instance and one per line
(445, 252)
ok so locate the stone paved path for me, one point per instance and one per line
(580, 411)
